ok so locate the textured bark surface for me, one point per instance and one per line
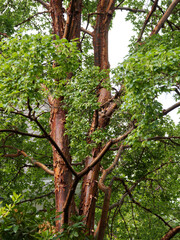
(62, 175)
(100, 42)
(171, 233)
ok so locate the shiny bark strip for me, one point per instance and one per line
(62, 175)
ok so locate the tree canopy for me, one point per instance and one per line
(87, 151)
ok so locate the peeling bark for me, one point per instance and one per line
(100, 42)
(62, 175)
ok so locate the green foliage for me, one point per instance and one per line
(76, 231)
(36, 66)
(4, 211)
(27, 64)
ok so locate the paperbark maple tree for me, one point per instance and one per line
(114, 143)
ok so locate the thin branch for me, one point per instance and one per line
(109, 170)
(86, 31)
(18, 172)
(159, 138)
(33, 199)
(169, 23)
(31, 17)
(103, 152)
(146, 209)
(120, 202)
(38, 164)
(153, 9)
(119, 4)
(164, 17)
(22, 133)
(166, 111)
(126, 226)
(35, 163)
(134, 10)
(46, 5)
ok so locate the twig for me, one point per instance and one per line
(29, 19)
(134, 10)
(35, 163)
(126, 226)
(46, 5)
(147, 20)
(33, 199)
(120, 202)
(146, 209)
(22, 133)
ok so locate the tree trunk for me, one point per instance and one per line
(62, 175)
(100, 42)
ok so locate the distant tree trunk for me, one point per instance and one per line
(62, 175)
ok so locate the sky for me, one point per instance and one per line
(119, 37)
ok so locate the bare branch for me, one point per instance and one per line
(166, 111)
(31, 17)
(165, 17)
(46, 5)
(120, 202)
(147, 20)
(159, 138)
(22, 133)
(35, 163)
(86, 31)
(33, 199)
(134, 10)
(103, 152)
(147, 209)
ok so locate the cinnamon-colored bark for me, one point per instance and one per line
(100, 42)
(62, 175)
(171, 233)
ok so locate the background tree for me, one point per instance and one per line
(109, 147)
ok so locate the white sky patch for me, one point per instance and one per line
(119, 37)
(167, 101)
